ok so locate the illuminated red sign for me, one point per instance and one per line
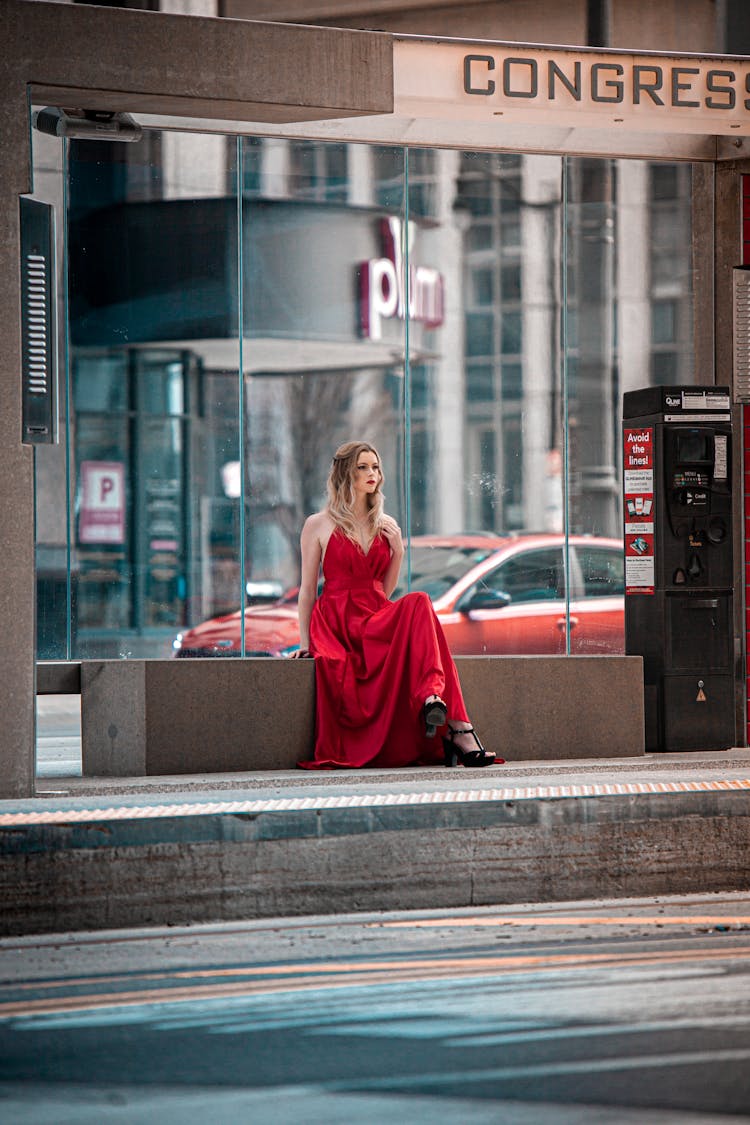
(383, 288)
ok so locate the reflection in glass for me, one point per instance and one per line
(323, 338)
(535, 290)
(103, 527)
(151, 262)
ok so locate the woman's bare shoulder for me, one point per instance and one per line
(319, 525)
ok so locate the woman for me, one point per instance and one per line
(385, 679)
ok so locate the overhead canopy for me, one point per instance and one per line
(524, 98)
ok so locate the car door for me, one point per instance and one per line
(597, 610)
(531, 619)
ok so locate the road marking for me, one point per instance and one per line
(543, 1070)
(344, 974)
(565, 1031)
(571, 920)
(366, 800)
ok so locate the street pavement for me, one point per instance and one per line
(585, 1013)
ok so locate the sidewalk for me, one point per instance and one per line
(59, 768)
(96, 852)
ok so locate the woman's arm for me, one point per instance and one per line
(308, 590)
(392, 533)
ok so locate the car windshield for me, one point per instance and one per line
(435, 569)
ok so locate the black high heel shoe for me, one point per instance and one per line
(435, 715)
(478, 757)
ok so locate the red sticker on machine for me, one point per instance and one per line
(639, 546)
(639, 449)
(638, 509)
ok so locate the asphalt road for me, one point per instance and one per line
(577, 1013)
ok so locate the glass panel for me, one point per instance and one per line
(103, 531)
(537, 291)
(323, 349)
(486, 441)
(600, 572)
(154, 358)
(627, 323)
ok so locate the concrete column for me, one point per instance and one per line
(274, 168)
(195, 165)
(633, 280)
(443, 247)
(17, 592)
(594, 486)
(540, 266)
(361, 176)
(728, 254)
(703, 251)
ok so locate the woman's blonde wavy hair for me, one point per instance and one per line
(341, 492)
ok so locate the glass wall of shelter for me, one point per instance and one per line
(234, 308)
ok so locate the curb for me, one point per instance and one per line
(220, 861)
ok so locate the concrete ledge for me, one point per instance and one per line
(552, 707)
(193, 716)
(196, 716)
(223, 866)
(58, 677)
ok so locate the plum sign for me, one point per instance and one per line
(386, 287)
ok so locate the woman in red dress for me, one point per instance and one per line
(385, 679)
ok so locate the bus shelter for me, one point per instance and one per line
(484, 232)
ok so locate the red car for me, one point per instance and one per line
(493, 595)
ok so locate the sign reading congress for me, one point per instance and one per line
(573, 87)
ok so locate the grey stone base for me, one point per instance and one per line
(211, 716)
(223, 866)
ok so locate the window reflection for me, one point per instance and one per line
(215, 364)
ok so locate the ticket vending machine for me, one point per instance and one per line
(677, 502)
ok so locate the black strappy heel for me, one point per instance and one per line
(478, 757)
(435, 715)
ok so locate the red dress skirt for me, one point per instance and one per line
(376, 662)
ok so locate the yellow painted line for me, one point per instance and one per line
(419, 923)
(569, 920)
(304, 976)
(365, 800)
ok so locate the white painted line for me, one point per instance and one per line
(361, 800)
(586, 1067)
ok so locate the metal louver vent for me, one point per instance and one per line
(37, 316)
(741, 317)
(37, 327)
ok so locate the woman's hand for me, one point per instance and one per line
(392, 532)
(301, 654)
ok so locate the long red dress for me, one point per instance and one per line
(376, 662)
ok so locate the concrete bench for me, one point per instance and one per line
(157, 717)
